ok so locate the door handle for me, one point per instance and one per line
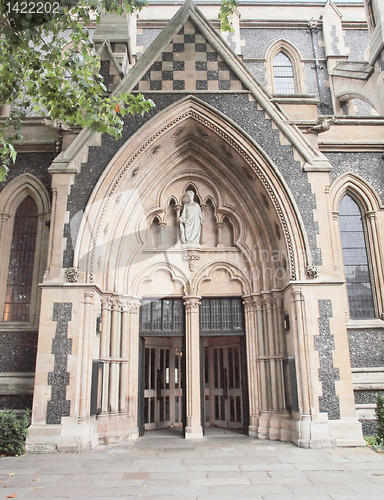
(225, 383)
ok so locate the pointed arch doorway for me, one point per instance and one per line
(162, 368)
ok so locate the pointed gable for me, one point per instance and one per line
(189, 62)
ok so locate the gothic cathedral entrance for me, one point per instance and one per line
(224, 398)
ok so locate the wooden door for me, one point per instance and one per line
(223, 392)
(162, 383)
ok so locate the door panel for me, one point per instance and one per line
(223, 392)
(162, 383)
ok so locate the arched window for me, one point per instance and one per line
(355, 257)
(284, 79)
(21, 262)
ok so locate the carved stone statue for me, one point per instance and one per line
(191, 219)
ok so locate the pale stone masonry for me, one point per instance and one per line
(272, 324)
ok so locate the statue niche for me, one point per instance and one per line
(191, 224)
(191, 220)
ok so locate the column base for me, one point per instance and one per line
(194, 432)
(69, 436)
(113, 428)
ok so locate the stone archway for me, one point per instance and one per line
(128, 247)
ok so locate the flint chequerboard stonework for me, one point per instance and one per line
(270, 319)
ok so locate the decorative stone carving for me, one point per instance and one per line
(265, 200)
(118, 199)
(323, 124)
(277, 231)
(191, 220)
(313, 24)
(192, 304)
(192, 258)
(202, 132)
(72, 274)
(179, 131)
(312, 272)
(154, 151)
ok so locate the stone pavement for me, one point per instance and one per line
(224, 465)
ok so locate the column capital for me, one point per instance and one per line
(249, 303)
(130, 304)
(297, 293)
(106, 302)
(192, 302)
(278, 297)
(268, 299)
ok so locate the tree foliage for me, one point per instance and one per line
(38, 77)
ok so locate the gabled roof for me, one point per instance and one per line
(186, 16)
(189, 56)
(190, 52)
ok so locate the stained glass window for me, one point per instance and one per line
(355, 259)
(283, 74)
(21, 262)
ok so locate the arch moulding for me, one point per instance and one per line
(142, 153)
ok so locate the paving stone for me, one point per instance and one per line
(165, 468)
(212, 467)
(265, 466)
(231, 497)
(221, 481)
(321, 466)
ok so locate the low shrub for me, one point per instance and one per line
(379, 410)
(13, 431)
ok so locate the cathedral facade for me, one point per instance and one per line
(222, 263)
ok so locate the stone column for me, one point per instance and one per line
(336, 247)
(202, 234)
(178, 209)
(106, 306)
(219, 226)
(62, 181)
(162, 226)
(53, 219)
(252, 364)
(262, 353)
(193, 429)
(86, 360)
(281, 348)
(133, 360)
(272, 350)
(4, 268)
(304, 427)
(115, 355)
(301, 351)
(377, 260)
(123, 400)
